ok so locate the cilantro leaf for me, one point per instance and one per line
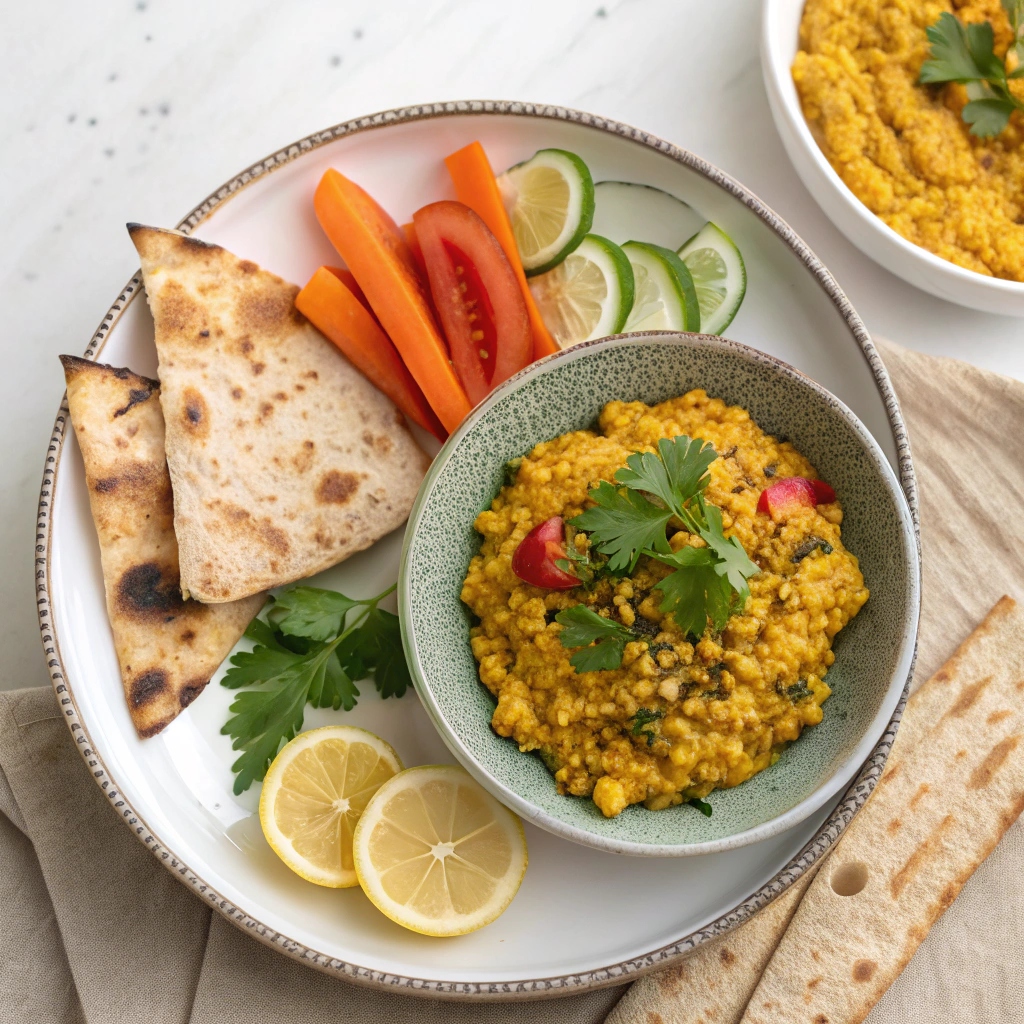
(675, 474)
(733, 561)
(702, 805)
(337, 689)
(965, 53)
(987, 117)
(311, 612)
(644, 718)
(256, 666)
(695, 592)
(265, 718)
(380, 648)
(622, 523)
(951, 58)
(306, 653)
(262, 632)
(601, 641)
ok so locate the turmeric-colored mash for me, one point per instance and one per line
(903, 148)
(715, 709)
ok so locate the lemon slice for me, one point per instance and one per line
(313, 795)
(437, 854)
(550, 202)
(588, 295)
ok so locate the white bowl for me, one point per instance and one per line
(779, 43)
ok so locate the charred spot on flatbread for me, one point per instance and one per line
(337, 487)
(135, 396)
(147, 686)
(191, 690)
(195, 415)
(149, 591)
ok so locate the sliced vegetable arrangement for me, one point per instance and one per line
(439, 312)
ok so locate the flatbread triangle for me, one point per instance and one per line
(284, 458)
(167, 647)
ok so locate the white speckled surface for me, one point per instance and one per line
(135, 109)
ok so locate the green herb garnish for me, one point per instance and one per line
(644, 718)
(799, 691)
(702, 805)
(307, 652)
(709, 583)
(964, 53)
(601, 640)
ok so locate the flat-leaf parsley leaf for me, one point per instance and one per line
(601, 641)
(307, 651)
(965, 54)
(629, 519)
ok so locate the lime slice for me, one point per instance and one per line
(588, 295)
(665, 297)
(623, 210)
(550, 201)
(718, 274)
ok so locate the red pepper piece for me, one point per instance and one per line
(786, 496)
(823, 494)
(534, 560)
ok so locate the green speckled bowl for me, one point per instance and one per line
(564, 392)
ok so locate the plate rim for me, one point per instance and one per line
(478, 991)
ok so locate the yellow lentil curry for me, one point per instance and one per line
(903, 148)
(729, 701)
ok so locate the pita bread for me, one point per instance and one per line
(284, 458)
(167, 648)
(938, 812)
(714, 984)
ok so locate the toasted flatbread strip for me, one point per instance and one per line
(167, 648)
(714, 984)
(938, 812)
(284, 458)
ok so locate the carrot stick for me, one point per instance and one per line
(409, 230)
(339, 315)
(476, 186)
(348, 279)
(376, 252)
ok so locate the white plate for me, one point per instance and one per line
(582, 918)
(780, 26)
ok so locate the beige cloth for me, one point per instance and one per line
(93, 929)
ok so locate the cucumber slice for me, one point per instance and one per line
(666, 299)
(588, 295)
(623, 210)
(550, 201)
(718, 274)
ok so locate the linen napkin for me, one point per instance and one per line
(93, 929)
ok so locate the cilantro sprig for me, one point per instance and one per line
(965, 54)
(313, 647)
(629, 519)
(601, 641)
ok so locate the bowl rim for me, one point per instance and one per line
(64, 687)
(870, 736)
(776, 68)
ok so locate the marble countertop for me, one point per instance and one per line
(135, 109)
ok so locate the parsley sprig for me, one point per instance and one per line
(606, 638)
(629, 519)
(312, 648)
(965, 54)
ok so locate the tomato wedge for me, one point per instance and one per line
(534, 560)
(791, 493)
(477, 296)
